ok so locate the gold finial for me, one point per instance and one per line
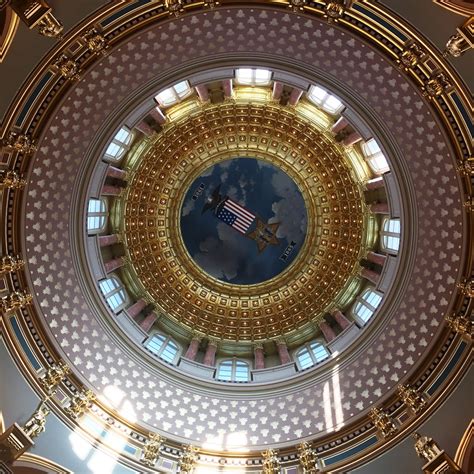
(67, 67)
(460, 323)
(50, 26)
(15, 300)
(10, 179)
(436, 85)
(383, 422)
(411, 55)
(19, 143)
(95, 41)
(80, 402)
(426, 447)
(188, 459)
(151, 449)
(467, 287)
(10, 264)
(334, 10)
(211, 3)
(36, 424)
(271, 463)
(308, 459)
(174, 7)
(411, 398)
(54, 375)
(296, 5)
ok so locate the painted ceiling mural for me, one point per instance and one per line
(243, 221)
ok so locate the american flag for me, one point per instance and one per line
(236, 216)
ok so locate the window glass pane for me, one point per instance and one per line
(169, 352)
(241, 372)
(123, 136)
(244, 75)
(109, 285)
(116, 299)
(332, 104)
(319, 351)
(391, 243)
(378, 163)
(113, 150)
(317, 94)
(182, 88)
(304, 359)
(363, 312)
(262, 76)
(372, 298)
(94, 205)
(155, 343)
(225, 370)
(167, 97)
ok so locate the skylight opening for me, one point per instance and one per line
(375, 157)
(326, 101)
(253, 77)
(119, 145)
(391, 235)
(96, 215)
(173, 94)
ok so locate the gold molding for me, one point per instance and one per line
(7, 41)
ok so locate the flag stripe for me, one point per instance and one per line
(232, 204)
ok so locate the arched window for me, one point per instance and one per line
(253, 77)
(119, 145)
(173, 94)
(233, 370)
(322, 98)
(391, 235)
(374, 157)
(366, 305)
(96, 214)
(114, 293)
(310, 354)
(164, 347)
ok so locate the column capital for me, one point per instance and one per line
(257, 345)
(212, 341)
(280, 341)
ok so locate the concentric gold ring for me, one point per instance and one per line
(325, 264)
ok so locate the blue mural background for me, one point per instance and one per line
(220, 250)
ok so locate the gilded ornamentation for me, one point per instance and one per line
(185, 293)
(174, 7)
(11, 264)
(14, 301)
(469, 204)
(67, 67)
(411, 56)
(188, 459)
(460, 323)
(411, 398)
(11, 179)
(466, 167)
(297, 5)
(50, 26)
(95, 42)
(425, 447)
(462, 41)
(211, 3)
(54, 375)
(308, 459)
(383, 422)
(334, 9)
(20, 143)
(36, 424)
(467, 288)
(80, 402)
(436, 85)
(271, 463)
(151, 449)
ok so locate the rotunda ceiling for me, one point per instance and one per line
(372, 76)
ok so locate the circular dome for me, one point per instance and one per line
(360, 64)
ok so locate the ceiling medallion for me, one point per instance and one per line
(175, 270)
(243, 221)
